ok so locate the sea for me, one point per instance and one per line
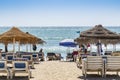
(52, 37)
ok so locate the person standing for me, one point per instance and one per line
(0, 53)
(41, 52)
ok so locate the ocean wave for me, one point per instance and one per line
(53, 38)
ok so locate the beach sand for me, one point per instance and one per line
(62, 70)
(56, 70)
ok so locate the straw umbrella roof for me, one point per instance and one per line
(18, 35)
(81, 40)
(13, 33)
(85, 40)
(36, 39)
(98, 33)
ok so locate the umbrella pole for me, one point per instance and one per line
(13, 47)
(106, 47)
(19, 47)
(114, 47)
(13, 44)
(27, 47)
(90, 47)
(30, 48)
(68, 50)
(99, 47)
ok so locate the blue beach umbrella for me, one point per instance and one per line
(68, 43)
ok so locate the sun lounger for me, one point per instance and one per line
(92, 64)
(20, 65)
(112, 64)
(9, 57)
(3, 54)
(58, 56)
(3, 68)
(116, 53)
(51, 56)
(93, 53)
(30, 59)
(69, 56)
(108, 53)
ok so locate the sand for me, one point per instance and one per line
(56, 70)
(62, 70)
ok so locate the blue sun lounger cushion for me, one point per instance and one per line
(10, 57)
(34, 55)
(2, 65)
(3, 55)
(20, 65)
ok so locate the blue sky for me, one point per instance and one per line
(59, 12)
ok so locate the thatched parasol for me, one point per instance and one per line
(98, 33)
(15, 35)
(81, 40)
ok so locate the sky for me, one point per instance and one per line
(59, 12)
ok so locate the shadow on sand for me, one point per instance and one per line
(98, 77)
(15, 78)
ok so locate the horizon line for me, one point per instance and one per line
(63, 26)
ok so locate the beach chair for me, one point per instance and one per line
(19, 53)
(3, 68)
(3, 55)
(20, 66)
(116, 53)
(92, 64)
(30, 59)
(69, 56)
(93, 53)
(9, 57)
(58, 56)
(51, 56)
(35, 58)
(112, 64)
(108, 53)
